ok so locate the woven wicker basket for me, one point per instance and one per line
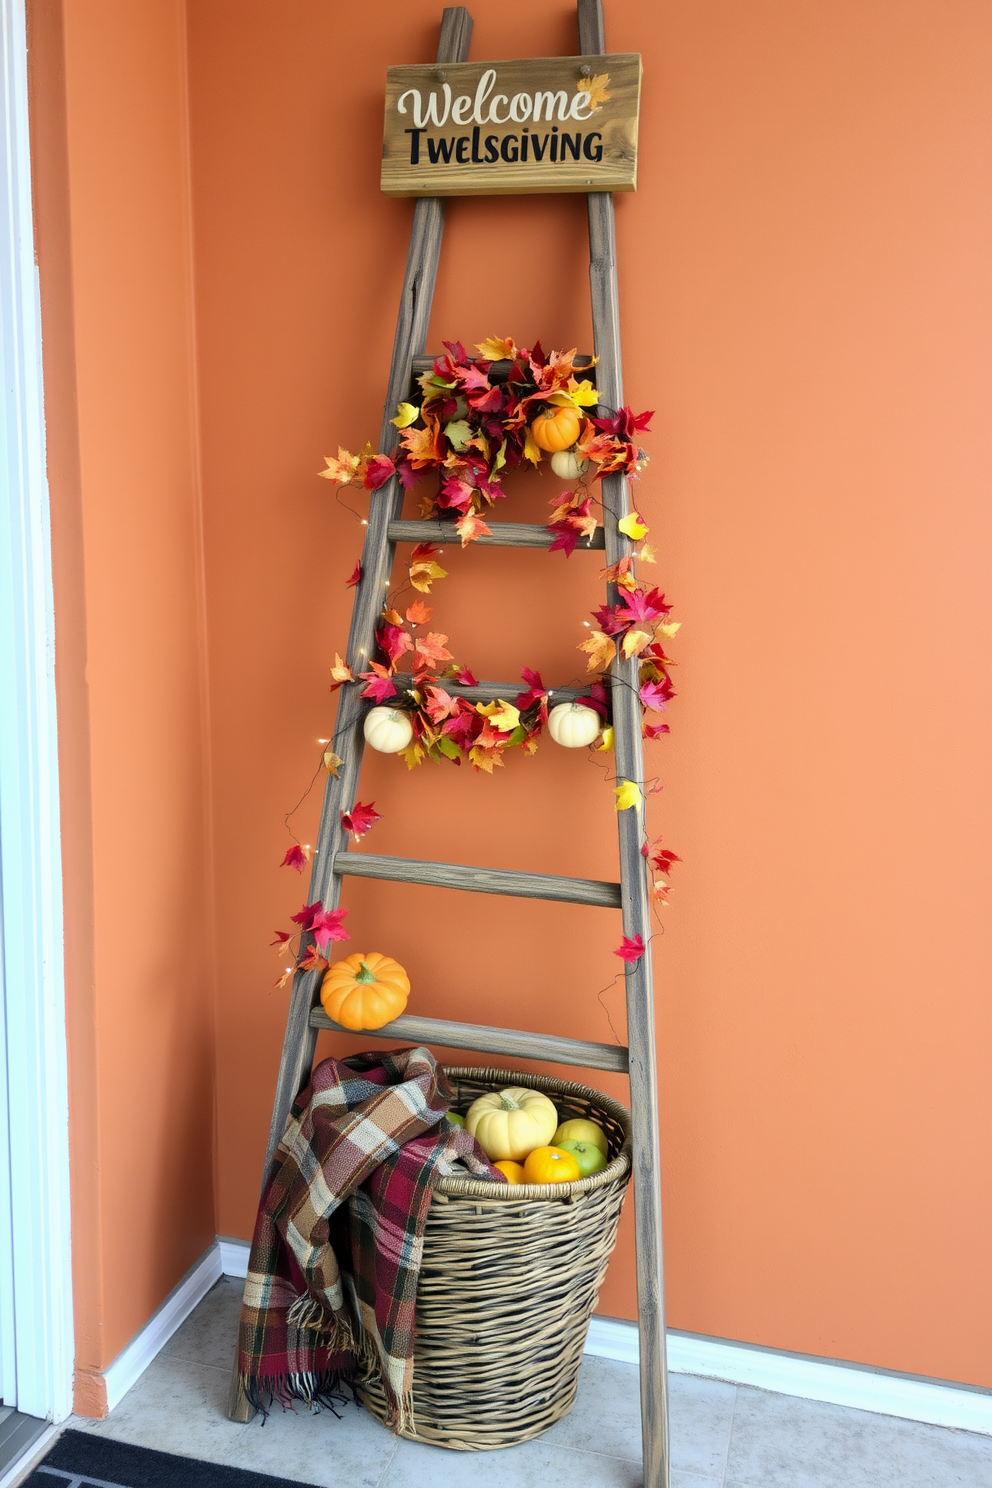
(509, 1280)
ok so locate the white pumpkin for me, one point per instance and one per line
(573, 725)
(509, 1124)
(388, 730)
(568, 464)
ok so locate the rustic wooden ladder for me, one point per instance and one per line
(332, 860)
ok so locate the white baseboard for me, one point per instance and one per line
(132, 1361)
(233, 1256)
(810, 1379)
(611, 1338)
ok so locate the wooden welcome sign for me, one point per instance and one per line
(495, 128)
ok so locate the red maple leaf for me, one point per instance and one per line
(360, 819)
(282, 940)
(438, 704)
(356, 576)
(296, 857)
(463, 675)
(327, 927)
(377, 472)
(631, 948)
(655, 730)
(626, 422)
(659, 857)
(305, 918)
(394, 641)
(379, 687)
(656, 694)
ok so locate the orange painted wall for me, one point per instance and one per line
(806, 303)
(112, 199)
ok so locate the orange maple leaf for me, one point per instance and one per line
(343, 469)
(497, 348)
(596, 88)
(470, 528)
(601, 651)
(418, 613)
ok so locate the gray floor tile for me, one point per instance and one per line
(210, 1332)
(606, 1417)
(781, 1442)
(320, 1449)
(176, 1406)
(534, 1462)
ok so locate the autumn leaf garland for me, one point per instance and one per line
(470, 424)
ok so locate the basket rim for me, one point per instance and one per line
(480, 1188)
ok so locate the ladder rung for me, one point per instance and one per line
(484, 692)
(480, 880)
(481, 1040)
(422, 364)
(504, 535)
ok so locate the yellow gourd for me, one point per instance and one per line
(510, 1123)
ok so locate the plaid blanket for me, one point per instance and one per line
(331, 1287)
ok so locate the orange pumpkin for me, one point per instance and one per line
(364, 991)
(551, 1165)
(556, 428)
(513, 1171)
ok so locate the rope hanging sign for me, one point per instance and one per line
(544, 124)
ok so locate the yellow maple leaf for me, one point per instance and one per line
(634, 642)
(484, 759)
(332, 762)
(504, 717)
(342, 469)
(413, 755)
(631, 526)
(576, 395)
(424, 572)
(497, 348)
(341, 671)
(601, 651)
(606, 739)
(596, 88)
(646, 554)
(670, 628)
(583, 394)
(628, 794)
(405, 415)
(532, 450)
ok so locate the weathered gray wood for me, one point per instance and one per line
(633, 873)
(377, 559)
(422, 364)
(485, 692)
(504, 535)
(483, 1040)
(479, 880)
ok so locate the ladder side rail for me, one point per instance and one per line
(643, 1074)
(377, 560)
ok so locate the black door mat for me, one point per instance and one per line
(79, 1460)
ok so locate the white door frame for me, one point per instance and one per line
(35, 1229)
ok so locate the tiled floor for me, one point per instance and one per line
(723, 1436)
